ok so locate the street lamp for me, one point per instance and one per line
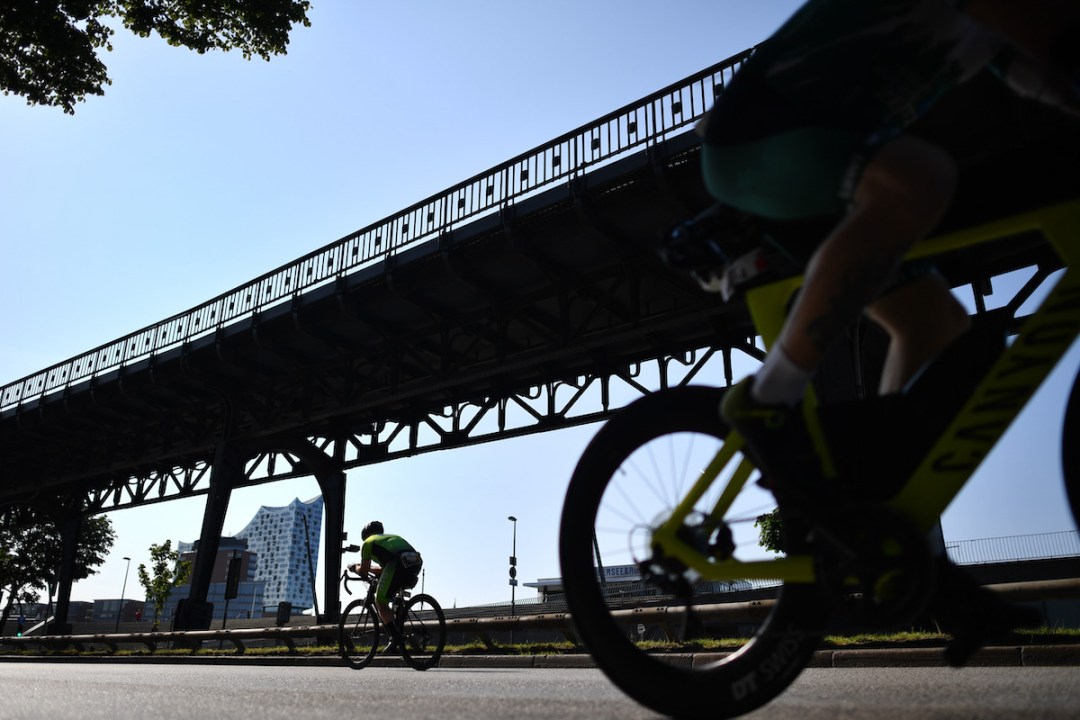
(513, 565)
(123, 589)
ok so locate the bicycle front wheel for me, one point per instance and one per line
(358, 634)
(423, 632)
(624, 595)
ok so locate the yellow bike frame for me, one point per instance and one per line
(1043, 339)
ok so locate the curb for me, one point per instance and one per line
(1000, 656)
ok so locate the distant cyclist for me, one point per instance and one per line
(398, 567)
(817, 125)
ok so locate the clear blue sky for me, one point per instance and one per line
(194, 174)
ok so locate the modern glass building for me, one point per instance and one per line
(286, 541)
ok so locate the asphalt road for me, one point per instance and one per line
(58, 691)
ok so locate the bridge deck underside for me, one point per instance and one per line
(561, 285)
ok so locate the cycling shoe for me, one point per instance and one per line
(777, 439)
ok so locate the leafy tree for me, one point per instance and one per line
(30, 554)
(17, 581)
(168, 572)
(771, 531)
(49, 48)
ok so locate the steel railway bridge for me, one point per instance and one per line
(514, 294)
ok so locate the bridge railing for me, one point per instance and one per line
(650, 120)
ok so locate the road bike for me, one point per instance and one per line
(664, 493)
(420, 623)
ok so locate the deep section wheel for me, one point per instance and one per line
(621, 592)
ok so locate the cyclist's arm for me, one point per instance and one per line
(364, 568)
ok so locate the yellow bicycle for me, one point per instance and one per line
(664, 493)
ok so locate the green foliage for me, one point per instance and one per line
(30, 553)
(771, 531)
(49, 48)
(168, 572)
(17, 581)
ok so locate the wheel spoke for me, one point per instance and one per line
(423, 632)
(358, 635)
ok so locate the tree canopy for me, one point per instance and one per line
(771, 531)
(49, 49)
(30, 550)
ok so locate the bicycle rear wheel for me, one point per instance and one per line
(423, 631)
(628, 481)
(358, 634)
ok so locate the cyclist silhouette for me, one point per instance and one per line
(398, 566)
(817, 125)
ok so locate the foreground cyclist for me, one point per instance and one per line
(817, 125)
(399, 567)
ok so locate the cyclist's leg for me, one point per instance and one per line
(387, 587)
(903, 191)
(971, 614)
(893, 199)
(411, 575)
(921, 317)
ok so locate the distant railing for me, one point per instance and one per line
(650, 120)
(1044, 546)
(1013, 548)
(482, 627)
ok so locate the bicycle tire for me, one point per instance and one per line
(358, 634)
(423, 632)
(775, 652)
(1070, 451)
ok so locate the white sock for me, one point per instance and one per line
(780, 381)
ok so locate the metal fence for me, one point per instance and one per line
(1014, 548)
(1044, 546)
(665, 113)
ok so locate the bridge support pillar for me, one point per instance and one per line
(195, 613)
(333, 491)
(69, 525)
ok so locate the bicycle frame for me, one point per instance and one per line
(394, 600)
(1043, 339)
